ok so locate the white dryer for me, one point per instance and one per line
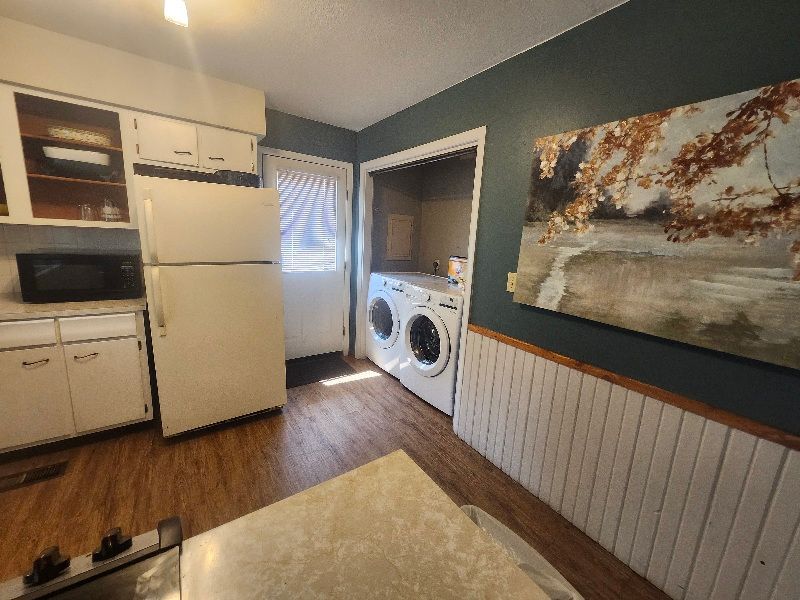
(385, 301)
(430, 340)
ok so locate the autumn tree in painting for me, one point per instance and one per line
(620, 156)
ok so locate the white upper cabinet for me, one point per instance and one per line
(14, 200)
(37, 187)
(166, 140)
(58, 155)
(224, 149)
(181, 143)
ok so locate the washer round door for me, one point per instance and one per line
(427, 342)
(384, 322)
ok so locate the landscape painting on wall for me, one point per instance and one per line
(684, 224)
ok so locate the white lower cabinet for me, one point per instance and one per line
(68, 376)
(34, 396)
(105, 381)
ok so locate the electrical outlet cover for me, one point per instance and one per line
(511, 284)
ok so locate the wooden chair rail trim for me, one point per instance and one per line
(719, 415)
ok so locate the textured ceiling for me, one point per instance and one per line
(347, 63)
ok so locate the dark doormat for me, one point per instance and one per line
(311, 369)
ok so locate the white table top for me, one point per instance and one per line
(384, 530)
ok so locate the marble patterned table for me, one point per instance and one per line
(384, 530)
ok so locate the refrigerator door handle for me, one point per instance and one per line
(150, 227)
(158, 302)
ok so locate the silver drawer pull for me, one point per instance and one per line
(92, 355)
(216, 158)
(26, 363)
(186, 152)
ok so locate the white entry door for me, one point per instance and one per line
(313, 205)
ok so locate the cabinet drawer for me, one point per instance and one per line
(18, 334)
(75, 329)
(34, 396)
(165, 140)
(105, 380)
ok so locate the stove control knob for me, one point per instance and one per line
(48, 565)
(113, 543)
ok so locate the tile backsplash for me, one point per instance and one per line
(27, 238)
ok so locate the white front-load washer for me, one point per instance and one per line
(385, 302)
(430, 339)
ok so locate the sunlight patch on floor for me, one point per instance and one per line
(349, 378)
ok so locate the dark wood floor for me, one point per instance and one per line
(208, 478)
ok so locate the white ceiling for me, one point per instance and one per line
(344, 62)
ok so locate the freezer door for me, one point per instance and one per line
(217, 333)
(187, 222)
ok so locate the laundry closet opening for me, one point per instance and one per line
(420, 244)
(421, 214)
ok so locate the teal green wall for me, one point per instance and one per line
(289, 132)
(644, 56)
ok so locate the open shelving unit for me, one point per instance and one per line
(56, 190)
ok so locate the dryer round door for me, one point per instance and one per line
(427, 342)
(384, 321)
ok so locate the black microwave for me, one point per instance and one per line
(79, 277)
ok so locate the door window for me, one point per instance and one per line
(382, 321)
(425, 343)
(308, 221)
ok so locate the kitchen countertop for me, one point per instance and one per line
(12, 309)
(384, 530)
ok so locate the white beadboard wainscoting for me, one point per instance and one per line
(702, 510)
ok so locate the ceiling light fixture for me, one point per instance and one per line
(175, 12)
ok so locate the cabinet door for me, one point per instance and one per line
(34, 396)
(105, 382)
(166, 140)
(15, 203)
(230, 150)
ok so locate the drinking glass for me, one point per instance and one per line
(87, 212)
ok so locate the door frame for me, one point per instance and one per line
(263, 153)
(474, 138)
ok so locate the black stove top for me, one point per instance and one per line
(146, 567)
(153, 578)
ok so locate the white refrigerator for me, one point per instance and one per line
(211, 257)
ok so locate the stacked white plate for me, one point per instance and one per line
(83, 156)
(81, 164)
